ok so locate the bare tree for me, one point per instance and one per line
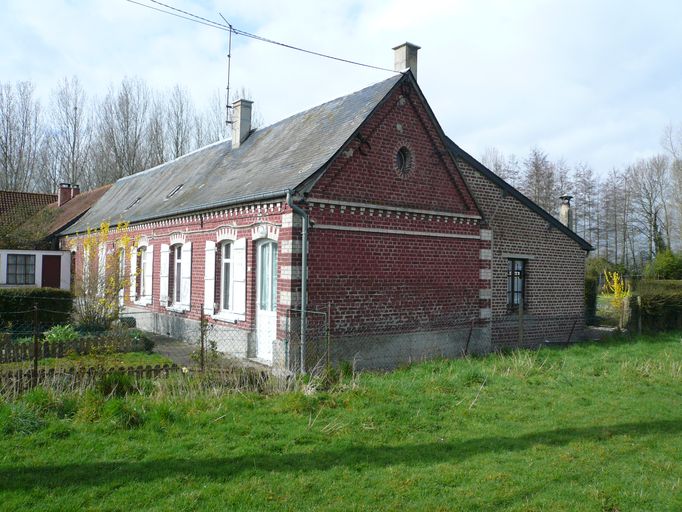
(20, 136)
(179, 118)
(69, 131)
(539, 180)
(507, 168)
(122, 118)
(156, 134)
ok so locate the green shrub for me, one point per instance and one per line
(661, 305)
(61, 333)
(666, 265)
(591, 292)
(54, 306)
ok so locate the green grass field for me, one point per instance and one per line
(115, 360)
(594, 427)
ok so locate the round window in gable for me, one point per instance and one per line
(403, 161)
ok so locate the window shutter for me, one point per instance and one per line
(209, 277)
(186, 278)
(148, 275)
(163, 275)
(133, 273)
(101, 268)
(239, 280)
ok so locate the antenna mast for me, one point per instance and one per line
(228, 107)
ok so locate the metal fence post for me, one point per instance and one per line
(202, 341)
(328, 327)
(35, 344)
(520, 320)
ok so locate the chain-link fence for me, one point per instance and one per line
(389, 342)
(46, 336)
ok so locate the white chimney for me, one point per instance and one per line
(405, 56)
(565, 213)
(241, 121)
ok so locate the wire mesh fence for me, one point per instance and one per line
(46, 337)
(389, 342)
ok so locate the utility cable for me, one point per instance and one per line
(229, 28)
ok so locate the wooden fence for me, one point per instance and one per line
(19, 380)
(13, 352)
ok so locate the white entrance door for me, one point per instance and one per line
(266, 310)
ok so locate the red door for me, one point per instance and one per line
(51, 271)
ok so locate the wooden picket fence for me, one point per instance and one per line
(12, 352)
(19, 380)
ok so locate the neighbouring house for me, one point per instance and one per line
(15, 208)
(33, 268)
(33, 260)
(355, 230)
(70, 206)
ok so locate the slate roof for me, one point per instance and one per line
(458, 152)
(15, 206)
(73, 209)
(267, 164)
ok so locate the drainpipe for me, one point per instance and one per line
(304, 271)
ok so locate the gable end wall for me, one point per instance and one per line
(555, 269)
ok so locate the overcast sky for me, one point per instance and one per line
(587, 80)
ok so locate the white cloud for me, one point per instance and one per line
(589, 81)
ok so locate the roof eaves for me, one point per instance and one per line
(458, 152)
(194, 210)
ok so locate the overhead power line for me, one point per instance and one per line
(229, 28)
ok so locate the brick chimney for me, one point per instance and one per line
(241, 121)
(405, 57)
(63, 193)
(67, 192)
(565, 213)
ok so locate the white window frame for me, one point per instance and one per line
(179, 263)
(177, 274)
(141, 257)
(230, 284)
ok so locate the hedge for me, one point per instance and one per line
(16, 306)
(661, 305)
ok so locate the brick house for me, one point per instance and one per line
(360, 209)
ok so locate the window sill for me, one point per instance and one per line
(227, 316)
(142, 302)
(179, 308)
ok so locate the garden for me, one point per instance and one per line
(595, 426)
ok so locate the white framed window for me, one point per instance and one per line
(267, 276)
(226, 277)
(141, 264)
(177, 273)
(21, 269)
(141, 272)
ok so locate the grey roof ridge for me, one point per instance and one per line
(458, 152)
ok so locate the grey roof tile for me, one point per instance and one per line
(269, 162)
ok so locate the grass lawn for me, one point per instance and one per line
(105, 360)
(596, 427)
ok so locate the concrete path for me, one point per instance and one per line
(179, 352)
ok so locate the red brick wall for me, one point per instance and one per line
(554, 272)
(198, 229)
(388, 281)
